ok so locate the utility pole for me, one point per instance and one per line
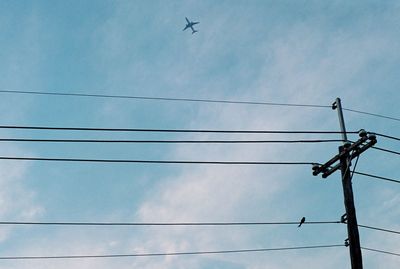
(345, 163)
(347, 152)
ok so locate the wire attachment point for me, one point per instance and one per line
(334, 105)
(343, 218)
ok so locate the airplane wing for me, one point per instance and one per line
(196, 22)
(187, 26)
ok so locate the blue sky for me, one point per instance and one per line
(272, 51)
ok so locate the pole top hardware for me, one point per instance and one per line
(335, 105)
(343, 218)
(362, 133)
(366, 141)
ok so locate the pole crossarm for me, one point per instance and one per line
(366, 141)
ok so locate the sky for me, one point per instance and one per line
(303, 52)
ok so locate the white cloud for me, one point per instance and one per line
(17, 202)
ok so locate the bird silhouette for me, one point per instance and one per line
(303, 219)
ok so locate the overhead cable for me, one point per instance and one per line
(163, 98)
(387, 136)
(378, 229)
(161, 223)
(55, 128)
(386, 150)
(381, 251)
(192, 100)
(377, 177)
(372, 114)
(166, 253)
(152, 161)
(80, 223)
(381, 149)
(169, 141)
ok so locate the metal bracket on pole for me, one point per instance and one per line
(354, 150)
(343, 218)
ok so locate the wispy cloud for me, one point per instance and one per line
(236, 55)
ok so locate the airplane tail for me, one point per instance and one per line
(194, 31)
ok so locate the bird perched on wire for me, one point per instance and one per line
(303, 219)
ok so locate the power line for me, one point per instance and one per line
(163, 98)
(153, 161)
(381, 149)
(170, 130)
(166, 253)
(378, 229)
(161, 223)
(377, 177)
(372, 114)
(387, 136)
(192, 100)
(386, 150)
(63, 223)
(183, 224)
(169, 141)
(381, 251)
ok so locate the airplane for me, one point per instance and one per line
(190, 25)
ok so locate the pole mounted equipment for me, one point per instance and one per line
(353, 150)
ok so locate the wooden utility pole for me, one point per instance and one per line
(345, 163)
(352, 227)
(347, 152)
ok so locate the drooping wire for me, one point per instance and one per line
(348, 165)
(167, 253)
(354, 168)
